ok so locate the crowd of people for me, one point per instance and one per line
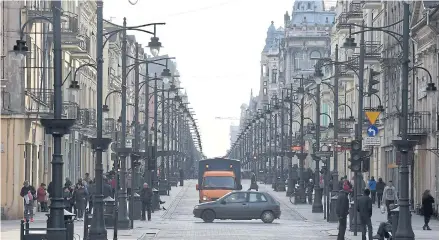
(384, 196)
(78, 197)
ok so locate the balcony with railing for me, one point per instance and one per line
(345, 74)
(372, 52)
(110, 126)
(418, 125)
(341, 23)
(345, 127)
(70, 110)
(355, 13)
(87, 118)
(39, 101)
(81, 49)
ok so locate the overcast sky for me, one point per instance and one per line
(217, 44)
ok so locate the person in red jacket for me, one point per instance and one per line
(42, 197)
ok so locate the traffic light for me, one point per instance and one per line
(366, 164)
(372, 82)
(356, 156)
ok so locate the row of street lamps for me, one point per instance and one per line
(59, 126)
(244, 148)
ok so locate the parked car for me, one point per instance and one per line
(240, 205)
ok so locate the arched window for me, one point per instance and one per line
(314, 56)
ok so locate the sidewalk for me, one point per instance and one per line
(10, 229)
(305, 210)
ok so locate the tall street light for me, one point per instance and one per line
(100, 144)
(56, 126)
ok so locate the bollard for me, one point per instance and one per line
(22, 230)
(86, 223)
(351, 219)
(332, 212)
(109, 207)
(70, 229)
(136, 215)
(394, 215)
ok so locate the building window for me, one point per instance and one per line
(265, 91)
(273, 76)
(327, 20)
(309, 5)
(265, 83)
(304, 19)
(298, 6)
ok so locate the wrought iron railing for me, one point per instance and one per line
(342, 21)
(39, 100)
(355, 10)
(373, 49)
(70, 110)
(419, 123)
(110, 125)
(87, 117)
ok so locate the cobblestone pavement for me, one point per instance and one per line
(178, 223)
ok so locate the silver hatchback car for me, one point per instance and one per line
(240, 205)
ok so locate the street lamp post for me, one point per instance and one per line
(281, 185)
(332, 213)
(275, 166)
(300, 197)
(290, 188)
(56, 126)
(123, 151)
(317, 206)
(405, 145)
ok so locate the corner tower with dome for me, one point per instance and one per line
(290, 49)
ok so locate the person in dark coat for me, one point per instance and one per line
(253, 184)
(342, 211)
(80, 197)
(427, 208)
(146, 198)
(181, 177)
(380, 190)
(108, 191)
(364, 208)
(28, 193)
(67, 195)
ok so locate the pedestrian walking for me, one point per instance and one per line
(380, 190)
(42, 197)
(372, 184)
(389, 197)
(427, 208)
(146, 198)
(342, 211)
(67, 196)
(181, 173)
(253, 183)
(364, 207)
(80, 197)
(28, 194)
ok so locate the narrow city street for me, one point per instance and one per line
(178, 222)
